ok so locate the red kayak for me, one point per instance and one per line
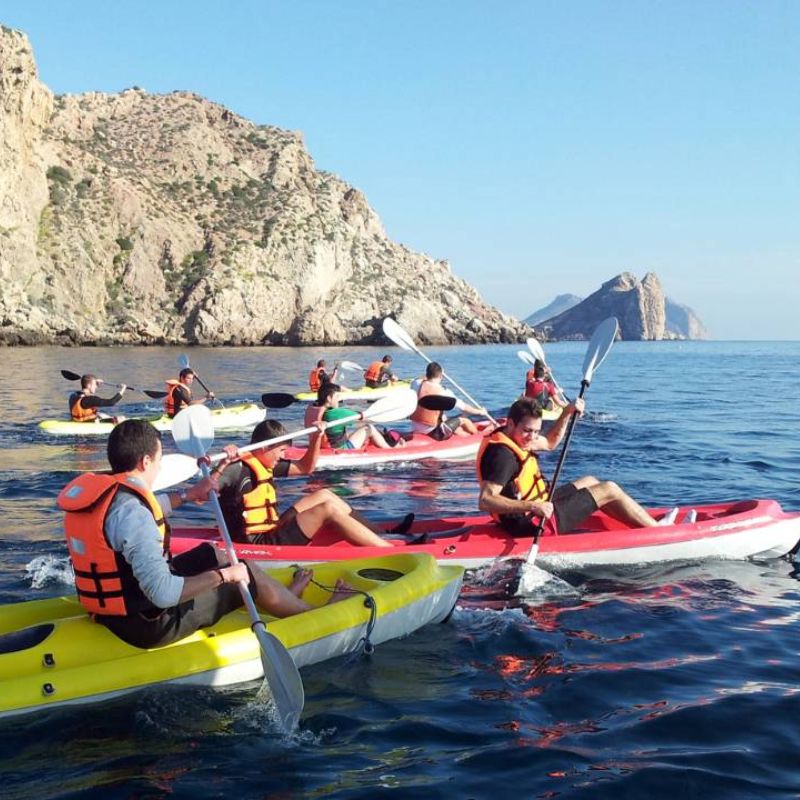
(417, 447)
(726, 530)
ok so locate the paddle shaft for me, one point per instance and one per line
(73, 376)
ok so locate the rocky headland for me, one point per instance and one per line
(643, 311)
(139, 218)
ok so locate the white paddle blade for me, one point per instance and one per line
(351, 366)
(175, 469)
(536, 349)
(398, 335)
(183, 361)
(526, 357)
(193, 430)
(283, 678)
(401, 403)
(601, 342)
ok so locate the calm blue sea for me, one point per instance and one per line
(681, 681)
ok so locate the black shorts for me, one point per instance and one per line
(164, 626)
(288, 531)
(572, 506)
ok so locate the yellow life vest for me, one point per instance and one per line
(103, 578)
(529, 484)
(260, 512)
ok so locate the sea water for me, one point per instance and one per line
(672, 681)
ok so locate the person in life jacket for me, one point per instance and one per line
(318, 376)
(338, 438)
(514, 492)
(248, 496)
(118, 543)
(379, 373)
(539, 386)
(434, 423)
(179, 393)
(83, 405)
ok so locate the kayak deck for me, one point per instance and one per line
(52, 653)
(753, 528)
(243, 415)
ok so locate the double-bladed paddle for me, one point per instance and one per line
(176, 468)
(193, 432)
(154, 393)
(183, 363)
(599, 346)
(402, 339)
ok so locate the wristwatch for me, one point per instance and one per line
(184, 496)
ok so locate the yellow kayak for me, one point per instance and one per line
(364, 393)
(52, 654)
(242, 416)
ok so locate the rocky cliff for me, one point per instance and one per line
(640, 307)
(136, 218)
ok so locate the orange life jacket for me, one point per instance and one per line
(425, 416)
(171, 401)
(529, 484)
(373, 372)
(315, 378)
(260, 512)
(78, 412)
(103, 578)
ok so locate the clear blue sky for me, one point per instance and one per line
(540, 147)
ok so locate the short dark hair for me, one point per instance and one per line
(387, 359)
(186, 371)
(326, 390)
(524, 407)
(87, 379)
(433, 370)
(321, 362)
(539, 371)
(129, 442)
(267, 429)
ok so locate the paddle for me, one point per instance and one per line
(599, 347)
(351, 366)
(400, 404)
(538, 355)
(193, 432)
(183, 363)
(401, 338)
(526, 357)
(155, 394)
(279, 399)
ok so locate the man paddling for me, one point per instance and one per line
(514, 492)
(434, 423)
(83, 405)
(539, 386)
(379, 373)
(179, 393)
(249, 497)
(118, 542)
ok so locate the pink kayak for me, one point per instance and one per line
(418, 447)
(751, 528)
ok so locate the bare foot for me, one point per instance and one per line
(341, 591)
(302, 577)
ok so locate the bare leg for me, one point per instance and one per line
(376, 437)
(275, 598)
(617, 504)
(358, 437)
(302, 577)
(325, 508)
(465, 427)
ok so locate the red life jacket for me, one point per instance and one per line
(174, 401)
(78, 412)
(373, 372)
(103, 578)
(315, 378)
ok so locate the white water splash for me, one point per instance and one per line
(46, 570)
(535, 581)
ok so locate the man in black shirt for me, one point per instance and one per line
(513, 490)
(83, 405)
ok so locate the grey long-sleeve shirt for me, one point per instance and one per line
(132, 531)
